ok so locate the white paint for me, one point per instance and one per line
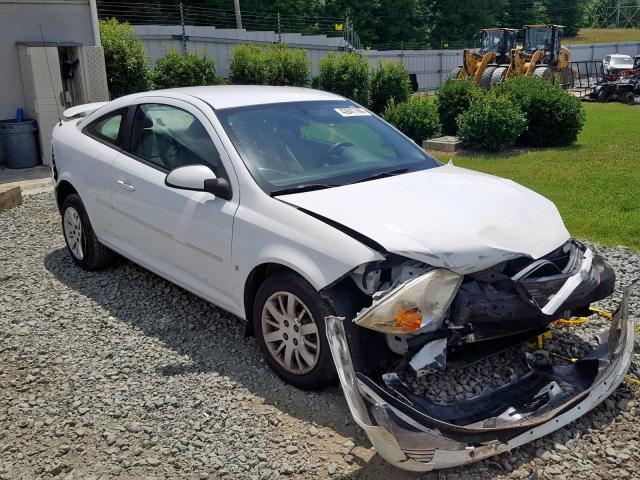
(82, 110)
(447, 217)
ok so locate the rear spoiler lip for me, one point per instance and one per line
(80, 111)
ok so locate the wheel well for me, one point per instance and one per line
(63, 190)
(257, 276)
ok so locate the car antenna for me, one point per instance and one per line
(53, 89)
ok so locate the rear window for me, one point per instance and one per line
(621, 60)
(108, 128)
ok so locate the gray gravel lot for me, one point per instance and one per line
(121, 374)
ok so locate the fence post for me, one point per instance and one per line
(279, 34)
(184, 36)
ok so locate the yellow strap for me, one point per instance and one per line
(630, 379)
(570, 322)
(604, 313)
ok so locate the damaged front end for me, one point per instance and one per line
(426, 314)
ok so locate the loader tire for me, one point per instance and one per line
(485, 79)
(453, 75)
(545, 73)
(498, 76)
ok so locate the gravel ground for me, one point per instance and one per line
(119, 374)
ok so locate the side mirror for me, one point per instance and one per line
(198, 178)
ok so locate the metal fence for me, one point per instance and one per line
(431, 67)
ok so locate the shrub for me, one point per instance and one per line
(124, 57)
(417, 118)
(491, 123)
(454, 98)
(554, 117)
(188, 70)
(346, 74)
(273, 65)
(390, 80)
(247, 65)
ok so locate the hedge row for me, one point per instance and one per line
(350, 75)
(526, 111)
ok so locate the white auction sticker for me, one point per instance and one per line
(352, 112)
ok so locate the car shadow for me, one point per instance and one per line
(214, 341)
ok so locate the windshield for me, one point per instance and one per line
(318, 144)
(490, 41)
(621, 60)
(537, 39)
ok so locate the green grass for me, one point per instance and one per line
(595, 183)
(605, 35)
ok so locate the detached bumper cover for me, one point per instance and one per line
(414, 434)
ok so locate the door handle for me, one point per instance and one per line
(125, 185)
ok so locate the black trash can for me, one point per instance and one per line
(19, 143)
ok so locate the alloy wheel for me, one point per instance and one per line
(290, 333)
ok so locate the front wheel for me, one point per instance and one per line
(288, 316)
(627, 97)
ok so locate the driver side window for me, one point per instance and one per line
(169, 137)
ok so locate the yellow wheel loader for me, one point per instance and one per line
(541, 54)
(496, 45)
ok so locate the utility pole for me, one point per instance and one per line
(236, 5)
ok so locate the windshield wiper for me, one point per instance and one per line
(302, 188)
(385, 174)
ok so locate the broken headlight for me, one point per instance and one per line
(417, 305)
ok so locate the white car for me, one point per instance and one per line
(616, 63)
(349, 251)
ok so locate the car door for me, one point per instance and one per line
(91, 163)
(183, 235)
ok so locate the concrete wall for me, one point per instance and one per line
(431, 67)
(61, 20)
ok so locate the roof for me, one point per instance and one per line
(228, 96)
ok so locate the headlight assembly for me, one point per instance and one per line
(414, 306)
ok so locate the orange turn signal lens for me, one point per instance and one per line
(409, 320)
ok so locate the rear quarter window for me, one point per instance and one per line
(108, 128)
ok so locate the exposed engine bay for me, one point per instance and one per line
(425, 317)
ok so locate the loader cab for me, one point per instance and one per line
(498, 40)
(545, 38)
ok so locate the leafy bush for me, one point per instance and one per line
(491, 123)
(124, 57)
(273, 65)
(417, 118)
(390, 80)
(554, 117)
(247, 65)
(346, 74)
(188, 70)
(454, 98)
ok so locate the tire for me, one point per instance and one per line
(627, 97)
(85, 249)
(602, 96)
(545, 73)
(485, 79)
(309, 309)
(497, 76)
(453, 75)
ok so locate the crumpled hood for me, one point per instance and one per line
(447, 217)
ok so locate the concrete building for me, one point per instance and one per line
(51, 60)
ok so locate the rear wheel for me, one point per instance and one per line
(288, 316)
(602, 96)
(627, 97)
(84, 247)
(545, 73)
(455, 73)
(485, 79)
(498, 76)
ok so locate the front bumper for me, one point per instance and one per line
(413, 434)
